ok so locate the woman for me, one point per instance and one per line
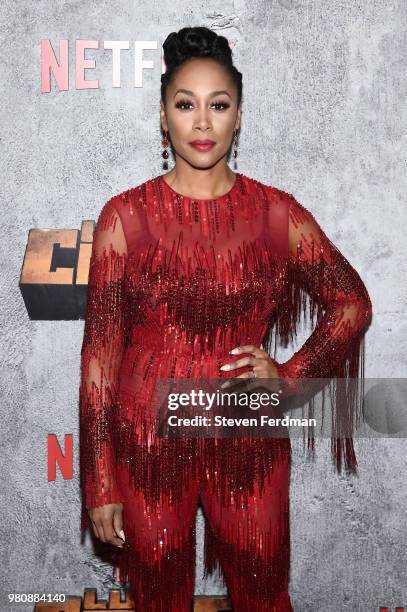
(188, 270)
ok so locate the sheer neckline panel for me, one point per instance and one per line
(220, 221)
(229, 193)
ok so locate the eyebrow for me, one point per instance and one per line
(213, 93)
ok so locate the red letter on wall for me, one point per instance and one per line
(55, 455)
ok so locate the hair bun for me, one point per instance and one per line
(195, 42)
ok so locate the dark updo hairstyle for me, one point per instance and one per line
(188, 43)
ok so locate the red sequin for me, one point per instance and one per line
(174, 284)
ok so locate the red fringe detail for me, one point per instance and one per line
(319, 274)
(174, 310)
(161, 573)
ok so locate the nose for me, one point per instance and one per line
(202, 120)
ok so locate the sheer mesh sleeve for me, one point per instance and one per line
(101, 355)
(334, 287)
(343, 309)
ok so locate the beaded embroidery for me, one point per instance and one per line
(198, 278)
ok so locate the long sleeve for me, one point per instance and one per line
(343, 307)
(101, 355)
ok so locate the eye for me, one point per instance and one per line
(225, 105)
(182, 103)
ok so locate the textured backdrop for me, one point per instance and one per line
(324, 118)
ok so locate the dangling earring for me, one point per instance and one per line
(235, 149)
(165, 153)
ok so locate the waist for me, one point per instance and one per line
(142, 366)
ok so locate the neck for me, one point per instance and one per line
(199, 183)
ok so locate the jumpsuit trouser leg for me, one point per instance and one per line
(251, 541)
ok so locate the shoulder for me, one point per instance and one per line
(285, 211)
(274, 194)
(280, 202)
(128, 209)
(126, 205)
(133, 197)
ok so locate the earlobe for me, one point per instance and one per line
(163, 122)
(163, 118)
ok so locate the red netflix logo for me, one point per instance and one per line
(63, 459)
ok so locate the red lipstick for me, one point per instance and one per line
(202, 145)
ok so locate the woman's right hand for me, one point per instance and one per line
(107, 523)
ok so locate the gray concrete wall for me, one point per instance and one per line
(323, 118)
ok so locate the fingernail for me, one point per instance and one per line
(225, 367)
(234, 351)
(121, 534)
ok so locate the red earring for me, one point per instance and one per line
(165, 143)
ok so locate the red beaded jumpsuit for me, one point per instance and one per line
(174, 284)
